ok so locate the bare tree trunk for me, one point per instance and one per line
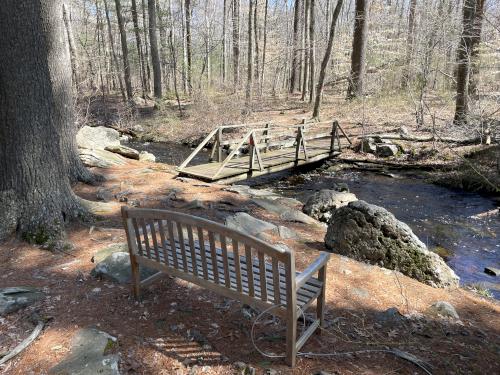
(264, 48)
(355, 88)
(326, 59)
(146, 47)
(295, 52)
(305, 80)
(312, 51)
(113, 52)
(155, 56)
(410, 39)
(36, 115)
(256, 40)
(123, 37)
(99, 49)
(236, 43)
(173, 54)
(469, 35)
(138, 42)
(208, 61)
(184, 49)
(476, 39)
(163, 45)
(224, 43)
(75, 68)
(189, 52)
(248, 95)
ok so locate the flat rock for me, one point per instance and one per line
(97, 138)
(87, 355)
(147, 156)
(389, 316)
(370, 233)
(103, 253)
(387, 149)
(297, 216)
(100, 158)
(442, 309)
(16, 298)
(128, 152)
(116, 267)
(285, 212)
(251, 225)
(321, 204)
(287, 233)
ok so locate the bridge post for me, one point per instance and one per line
(266, 139)
(219, 144)
(334, 136)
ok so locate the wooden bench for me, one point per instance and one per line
(228, 262)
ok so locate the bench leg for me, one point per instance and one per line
(136, 278)
(320, 303)
(291, 337)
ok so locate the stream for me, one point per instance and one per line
(439, 216)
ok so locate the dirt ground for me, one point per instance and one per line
(152, 335)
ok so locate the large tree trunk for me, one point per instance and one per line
(189, 51)
(410, 39)
(138, 43)
(113, 52)
(295, 52)
(467, 41)
(155, 56)
(123, 37)
(476, 39)
(355, 88)
(36, 115)
(312, 52)
(236, 43)
(326, 59)
(248, 95)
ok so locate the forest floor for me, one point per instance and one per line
(153, 334)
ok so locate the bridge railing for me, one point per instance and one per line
(262, 137)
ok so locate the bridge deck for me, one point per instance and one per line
(234, 168)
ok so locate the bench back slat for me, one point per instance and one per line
(212, 252)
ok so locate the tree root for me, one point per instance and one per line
(24, 344)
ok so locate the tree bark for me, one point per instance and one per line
(248, 95)
(72, 48)
(476, 39)
(138, 43)
(326, 59)
(295, 52)
(236, 43)
(189, 51)
(113, 52)
(264, 48)
(155, 56)
(224, 43)
(123, 37)
(256, 40)
(355, 88)
(305, 80)
(146, 46)
(163, 45)
(184, 49)
(467, 41)
(312, 51)
(36, 115)
(410, 39)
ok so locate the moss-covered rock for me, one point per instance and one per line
(371, 233)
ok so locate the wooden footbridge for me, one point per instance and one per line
(243, 151)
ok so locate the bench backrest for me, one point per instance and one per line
(153, 233)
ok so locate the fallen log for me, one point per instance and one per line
(24, 344)
(358, 163)
(431, 138)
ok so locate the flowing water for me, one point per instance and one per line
(439, 216)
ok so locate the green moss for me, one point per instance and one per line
(40, 236)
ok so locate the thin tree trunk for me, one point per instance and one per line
(123, 37)
(256, 40)
(155, 56)
(146, 46)
(173, 54)
(138, 42)
(355, 87)
(163, 45)
(264, 48)
(248, 95)
(410, 39)
(312, 50)
(75, 68)
(184, 49)
(476, 39)
(187, 9)
(236, 43)
(99, 49)
(208, 61)
(305, 80)
(36, 116)
(326, 59)
(224, 42)
(295, 52)
(113, 52)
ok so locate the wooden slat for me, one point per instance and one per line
(137, 236)
(213, 252)
(203, 253)
(155, 240)
(262, 269)
(224, 260)
(146, 240)
(162, 235)
(171, 238)
(276, 281)
(191, 247)
(237, 265)
(183, 245)
(248, 256)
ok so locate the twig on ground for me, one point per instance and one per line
(24, 344)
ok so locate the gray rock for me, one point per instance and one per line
(287, 233)
(360, 292)
(492, 271)
(370, 233)
(270, 371)
(97, 138)
(116, 268)
(100, 158)
(285, 212)
(138, 129)
(103, 253)
(105, 195)
(387, 149)
(247, 191)
(368, 145)
(194, 205)
(403, 130)
(321, 204)
(298, 217)
(251, 225)
(16, 298)
(147, 156)
(87, 355)
(389, 316)
(442, 309)
(128, 152)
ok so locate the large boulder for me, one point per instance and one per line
(285, 212)
(16, 298)
(321, 204)
(100, 158)
(97, 138)
(124, 151)
(370, 233)
(116, 268)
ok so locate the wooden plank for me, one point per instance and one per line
(197, 149)
(262, 269)
(137, 236)
(155, 240)
(224, 260)
(203, 253)
(276, 281)
(213, 252)
(170, 227)
(248, 256)
(191, 246)
(237, 265)
(145, 235)
(180, 235)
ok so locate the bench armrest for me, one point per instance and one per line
(314, 267)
